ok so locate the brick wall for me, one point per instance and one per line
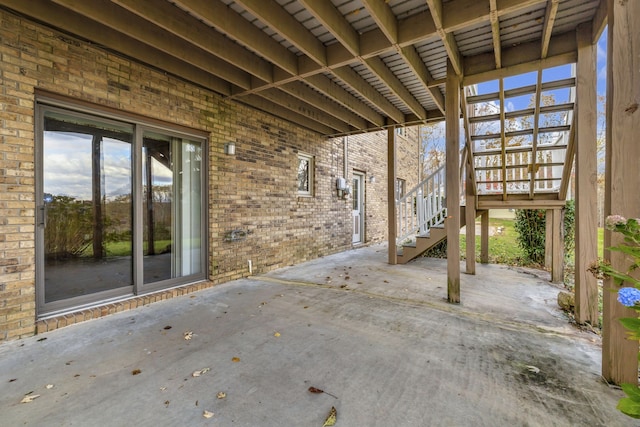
(368, 153)
(254, 191)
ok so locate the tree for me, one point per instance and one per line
(432, 138)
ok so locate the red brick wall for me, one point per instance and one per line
(255, 190)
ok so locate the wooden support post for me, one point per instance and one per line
(452, 121)
(586, 285)
(470, 223)
(557, 250)
(548, 239)
(484, 237)
(622, 180)
(391, 194)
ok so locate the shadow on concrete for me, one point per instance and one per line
(381, 338)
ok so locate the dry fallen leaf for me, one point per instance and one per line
(207, 414)
(317, 390)
(331, 418)
(235, 359)
(29, 398)
(200, 372)
(188, 335)
(136, 372)
(277, 334)
(221, 395)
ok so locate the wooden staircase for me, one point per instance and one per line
(428, 240)
(423, 243)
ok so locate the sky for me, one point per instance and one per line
(529, 79)
(552, 74)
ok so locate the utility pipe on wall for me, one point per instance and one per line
(345, 145)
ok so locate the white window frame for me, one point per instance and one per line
(401, 131)
(310, 179)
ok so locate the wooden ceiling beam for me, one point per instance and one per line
(119, 19)
(414, 29)
(272, 14)
(599, 21)
(384, 17)
(495, 32)
(239, 29)
(169, 18)
(364, 89)
(380, 69)
(234, 26)
(308, 95)
(269, 107)
(305, 109)
(60, 17)
(521, 59)
(450, 45)
(277, 18)
(388, 24)
(344, 98)
(549, 20)
(332, 19)
(413, 60)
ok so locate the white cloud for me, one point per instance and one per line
(602, 73)
(67, 162)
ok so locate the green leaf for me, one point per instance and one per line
(629, 250)
(619, 277)
(631, 323)
(629, 407)
(632, 391)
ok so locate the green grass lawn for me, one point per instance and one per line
(503, 247)
(123, 248)
(600, 242)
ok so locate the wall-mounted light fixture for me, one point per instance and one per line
(230, 148)
(372, 179)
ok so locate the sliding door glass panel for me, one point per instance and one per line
(87, 201)
(172, 206)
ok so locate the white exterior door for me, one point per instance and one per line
(358, 207)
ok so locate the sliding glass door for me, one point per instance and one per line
(120, 209)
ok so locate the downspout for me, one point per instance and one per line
(345, 145)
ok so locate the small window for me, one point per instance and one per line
(400, 188)
(305, 175)
(401, 131)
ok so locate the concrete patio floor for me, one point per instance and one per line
(380, 338)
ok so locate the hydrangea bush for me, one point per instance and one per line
(628, 296)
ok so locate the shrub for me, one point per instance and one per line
(531, 227)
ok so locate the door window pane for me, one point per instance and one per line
(87, 206)
(172, 193)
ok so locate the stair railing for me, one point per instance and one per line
(423, 207)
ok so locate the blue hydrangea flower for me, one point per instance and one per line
(629, 296)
